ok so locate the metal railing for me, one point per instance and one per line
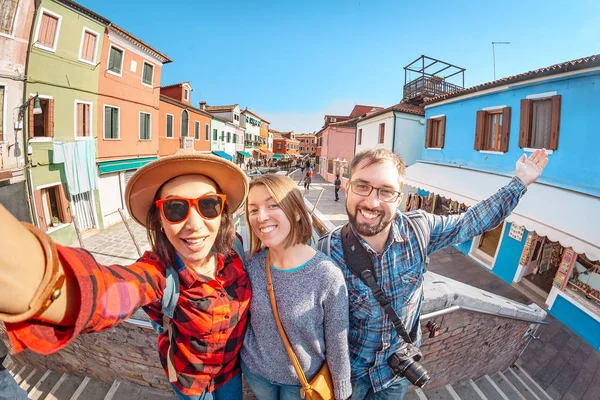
(428, 87)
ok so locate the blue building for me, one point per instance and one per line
(550, 245)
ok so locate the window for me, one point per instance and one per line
(222, 138)
(47, 30)
(115, 60)
(206, 132)
(228, 137)
(215, 133)
(492, 130)
(435, 132)
(87, 48)
(8, 11)
(147, 74)
(169, 125)
(1, 113)
(52, 206)
(540, 123)
(197, 130)
(360, 136)
(330, 166)
(145, 126)
(234, 138)
(185, 94)
(184, 123)
(83, 119)
(381, 133)
(42, 125)
(278, 146)
(111, 122)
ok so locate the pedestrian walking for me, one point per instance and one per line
(307, 180)
(337, 184)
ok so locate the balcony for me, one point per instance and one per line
(426, 87)
(431, 79)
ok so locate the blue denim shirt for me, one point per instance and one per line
(399, 271)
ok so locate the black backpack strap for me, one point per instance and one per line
(360, 263)
(324, 242)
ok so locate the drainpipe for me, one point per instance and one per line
(394, 132)
(27, 173)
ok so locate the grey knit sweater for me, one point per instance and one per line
(313, 307)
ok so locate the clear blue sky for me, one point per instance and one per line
(293, 62)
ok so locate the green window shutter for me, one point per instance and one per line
(148, 71)
(184, 123)
(169, 126)
(108, 123)
(197, 130)
(215, 133)
(207, 133)
(114, 62)
(115, 123)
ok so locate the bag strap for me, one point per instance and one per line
(238, 246)
(286, 341)
(324, 242)
(360, 264)
(420, 226)
(169, 303)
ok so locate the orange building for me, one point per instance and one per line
(180, 124)
(128, 104)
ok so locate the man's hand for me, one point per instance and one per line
(530, 168)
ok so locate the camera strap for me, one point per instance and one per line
(360, 263)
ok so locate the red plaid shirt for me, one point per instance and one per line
(209, 321)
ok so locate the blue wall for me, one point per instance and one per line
(509, 254)
(581, 323)
(569, 165)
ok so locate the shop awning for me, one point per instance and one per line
(223, 155)
(277, 156)
(564, 216)
(268, 152)
(245, 154)
(106, 167)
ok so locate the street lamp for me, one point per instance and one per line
(37, 108)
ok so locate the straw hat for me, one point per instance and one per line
(144, 184)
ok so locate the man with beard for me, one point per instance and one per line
(373, 197)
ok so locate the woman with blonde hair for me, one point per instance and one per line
(51, 293)
(310, 295)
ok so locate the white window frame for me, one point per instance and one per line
(482, 257)
(93, 32)
(140, 127)
(89, 103)
(37, 29)
(151, 85)
(15, 22)
(110, 46)
(167, 126)
(197, 123)
(207, 132)
(104, 123)
(40, 139)
(45, 207)
(186, 94)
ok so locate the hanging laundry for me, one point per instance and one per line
(80, 164)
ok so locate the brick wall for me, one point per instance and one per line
(471, 345)
(126, 352)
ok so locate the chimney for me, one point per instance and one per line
(203, 105)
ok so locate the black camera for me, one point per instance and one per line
(404, 363)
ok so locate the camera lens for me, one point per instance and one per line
(416, 374)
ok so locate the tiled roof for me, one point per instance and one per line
(142, 44)
(574, 65)
(400, 107)
(349, 123)
(174, 85)
(220, 108)
(359, 110)
(257, 116)
(86, 11)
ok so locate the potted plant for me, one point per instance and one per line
(55, 221)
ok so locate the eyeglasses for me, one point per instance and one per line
(364, 189)
(177, 209)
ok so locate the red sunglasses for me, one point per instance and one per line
(177, 209)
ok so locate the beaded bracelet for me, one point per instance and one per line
(50, 287)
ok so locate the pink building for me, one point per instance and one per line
(335, 149)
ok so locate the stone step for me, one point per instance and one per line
(442, 393)
(523, 387)
(533, 385)
(43, 385)
(30, 379)
(64, 388)
(467, 390)
(489, 388)
(507, 387)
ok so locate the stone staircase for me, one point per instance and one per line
(512, 384)
(50, 385)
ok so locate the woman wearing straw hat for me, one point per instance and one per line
(51, 293)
